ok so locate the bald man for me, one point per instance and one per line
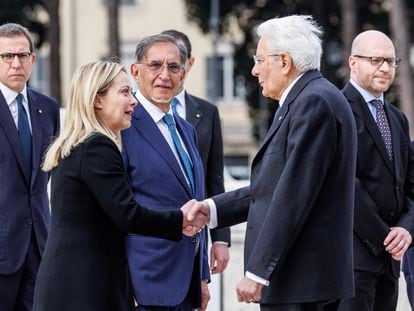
(384, 193)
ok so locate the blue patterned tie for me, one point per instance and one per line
(24, 133)
(185, 160)
(383, 125)
(174, 106)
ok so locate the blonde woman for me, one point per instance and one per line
(84, 265)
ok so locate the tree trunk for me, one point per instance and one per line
(54, 40)
(113, 28)
(349, 24)
(399, 25)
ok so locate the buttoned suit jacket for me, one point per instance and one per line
(384, 189)
(161, 270)
(24, 204)
(299, 205)
(204, 116)
(84, 266)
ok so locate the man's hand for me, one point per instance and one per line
(197, 222)
(199, 207)
(249, 290)
(219, 257)
(205, 295)
(397, 242)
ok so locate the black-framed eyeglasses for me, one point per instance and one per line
(378, 61)
(9, 57)
(259, 59)
(157, 67)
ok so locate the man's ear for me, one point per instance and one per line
(134, 71)
(191, 61)
(287, 63)
(352, 63)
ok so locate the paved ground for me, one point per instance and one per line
(234, 274)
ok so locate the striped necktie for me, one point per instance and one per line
(184, 158)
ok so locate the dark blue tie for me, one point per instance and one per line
(24, 133)
(185, 160)
(383, 126)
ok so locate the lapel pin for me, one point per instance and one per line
(39, 111)
(280, 118)
(197, 115)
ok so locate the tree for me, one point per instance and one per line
(248, 14)
(400, 28)
(24, 12)
(349, 24)
(54, 40)
(113, 28)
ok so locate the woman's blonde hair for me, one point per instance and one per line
(81, 120)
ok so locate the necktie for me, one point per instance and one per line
(383, 125)
(185, 160)
(174, 106)
(24, 132)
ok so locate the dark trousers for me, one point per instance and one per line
(17, 289)
(311, 306)
(409, 279)
(373, 292)
(186, 305)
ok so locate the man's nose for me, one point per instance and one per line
(16, 61)
(165, 74)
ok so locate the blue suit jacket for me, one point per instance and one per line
(24, 205)
(161, 270)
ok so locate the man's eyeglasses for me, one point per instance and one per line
(9, 57)
(378, 61)
(259, 59)
(157, 67)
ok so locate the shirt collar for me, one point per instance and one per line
(10, 95)
(365, 94)
(156, 113)
(181, 98)
(286, 92)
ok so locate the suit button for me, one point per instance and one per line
(392, 214)
(193, 239)
(29, 221)
(252, 201)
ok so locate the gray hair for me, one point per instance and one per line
(297, 35)
(146, 43)
(12, 30)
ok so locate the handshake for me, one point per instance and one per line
(195, 216)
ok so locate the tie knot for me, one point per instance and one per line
(168, 119)
(377, 103)
(19, 99)
(174, 104)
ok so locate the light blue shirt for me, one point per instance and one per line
(368, 97)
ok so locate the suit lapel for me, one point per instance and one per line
(360, 108)
(193, 154)
(393, 122)
(284, 110)
(10, 131)
(36, 115)
(144, 124)
(193, 114)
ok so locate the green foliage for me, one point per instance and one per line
(249, 13)
(24, 12)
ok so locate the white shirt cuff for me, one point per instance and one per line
(221, 242)
(213, 213)
(257, 279)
